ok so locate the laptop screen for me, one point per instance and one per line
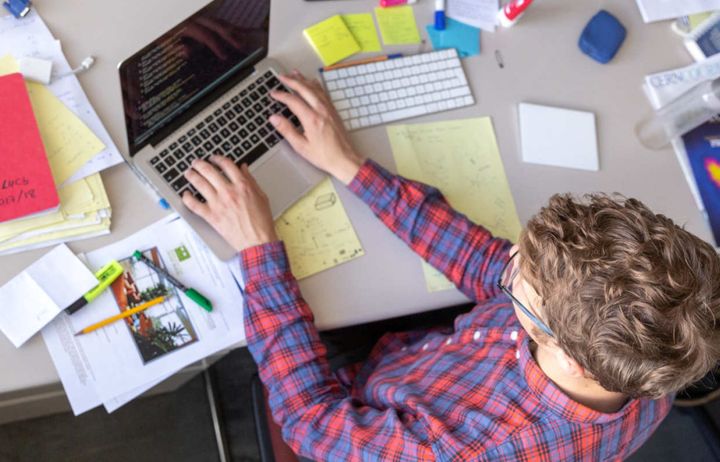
(163, 80)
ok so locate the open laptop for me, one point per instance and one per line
(202, 88)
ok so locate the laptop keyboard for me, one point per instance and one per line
(239, 129)
(386, 91)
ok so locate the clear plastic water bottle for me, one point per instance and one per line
(687, 111)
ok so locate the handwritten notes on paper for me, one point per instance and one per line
(317, 232)
(363, 29)
(461, 159)
(477, 13)
(397, 25)
(331, 39)
(69, 143)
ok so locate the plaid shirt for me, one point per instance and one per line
(473, 394)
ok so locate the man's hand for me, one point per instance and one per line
(324, 143)
(236, 207)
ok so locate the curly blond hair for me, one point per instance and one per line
(631, 296)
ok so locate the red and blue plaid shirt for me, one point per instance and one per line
(476, 394)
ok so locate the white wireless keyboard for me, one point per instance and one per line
(399, 88)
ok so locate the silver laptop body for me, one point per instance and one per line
(228, 118)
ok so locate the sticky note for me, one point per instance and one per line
(362, 27)
(397, 25)
(558, 137)
(465, 39)
(331, 39)
(317, 232)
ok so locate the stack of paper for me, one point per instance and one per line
(84, 207)
(31, 38)
(115, 364)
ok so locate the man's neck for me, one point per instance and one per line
(580, 389)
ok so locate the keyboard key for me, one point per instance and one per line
(251, 126)
(222, 121)
(254, 138)
(253, 155)
(164, 153)
(235, 139)
(246, 145)
(225, 132)
(217, 112)
(187, 147)
(213, 127)
(233, 126)
(173, 146)
(204, 134)
(209, 119)
(227, 147)
(244, 133)
(154, 160)
(272, 139)
(191, 132)
(161, 168)
(196, 141)
(226, 105)
(208, 146)
(170, 175)
(182, 139)
(170, 161)
(201, 125)
(217, 139)
(182, 166)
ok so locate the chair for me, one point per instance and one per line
(270, 442)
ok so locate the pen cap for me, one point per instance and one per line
(197, 297)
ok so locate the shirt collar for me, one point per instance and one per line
(551, 396)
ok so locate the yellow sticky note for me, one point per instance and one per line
(397, 25)
(362, 26)
(462, 160)
(69, 143)
(317, 232)
(331, 39)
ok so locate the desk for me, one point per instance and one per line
(542, 65)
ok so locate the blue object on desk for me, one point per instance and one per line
(465, 39)
(18, 8)
(602, 37)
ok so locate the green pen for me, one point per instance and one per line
(105, 276)
(192, 294)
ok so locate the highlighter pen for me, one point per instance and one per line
(105, 276)
(439, 14)
(192, 294)
(389, 3)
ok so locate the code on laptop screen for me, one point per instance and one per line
(165, 78)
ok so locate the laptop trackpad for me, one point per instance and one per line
(281, 181)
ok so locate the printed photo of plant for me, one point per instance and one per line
(160, 329)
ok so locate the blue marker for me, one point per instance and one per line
(439, 14)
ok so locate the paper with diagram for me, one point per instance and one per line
(461, 159)
(149, 346)
(317, 232)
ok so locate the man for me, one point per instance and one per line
(581, 334)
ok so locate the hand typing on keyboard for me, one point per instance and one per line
(324, 142)
(235, 205)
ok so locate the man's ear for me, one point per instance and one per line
(568, 364)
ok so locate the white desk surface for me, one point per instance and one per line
(542, 65)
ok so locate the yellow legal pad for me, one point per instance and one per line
(397, 25)
(332, 40)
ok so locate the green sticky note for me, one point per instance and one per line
(182, 253)
(397, 25)
(363, 29)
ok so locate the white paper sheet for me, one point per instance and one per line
(34, 297)
(558, 137)
(657, 10)
(31, 37)
(477, 13)
(122, 360)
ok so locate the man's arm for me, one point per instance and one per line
(466, 253)
(318, 418)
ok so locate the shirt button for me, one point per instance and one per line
(513, 335)
(476, 335)
(448, 341)
(425, 347)
(517, 354)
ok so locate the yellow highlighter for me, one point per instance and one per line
(105, 276)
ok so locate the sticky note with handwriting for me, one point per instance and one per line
(362, 26)
(331, 39)
(317, 232)
(397, 25)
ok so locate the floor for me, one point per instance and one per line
(178, 427)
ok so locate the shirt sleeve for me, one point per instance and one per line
(319, 419)
(466, 253)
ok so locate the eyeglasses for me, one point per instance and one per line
(508, 275)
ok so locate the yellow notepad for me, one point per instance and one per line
(332, 40)
(397, 25)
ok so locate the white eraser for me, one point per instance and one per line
(37, 70)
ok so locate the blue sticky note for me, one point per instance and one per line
(465, 39)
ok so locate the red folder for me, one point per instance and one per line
(26, 183)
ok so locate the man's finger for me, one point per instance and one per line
(227, 166)
(195, 206)
(294, 102)
(303, 88)
(296, 139)
(245, 172)
(200, 182)
(210, 173)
